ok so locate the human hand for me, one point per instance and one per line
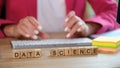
(74, 25)
(27, 27)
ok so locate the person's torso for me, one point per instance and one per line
(51, 15)
(17, 9)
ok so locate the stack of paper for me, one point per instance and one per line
(113, 33)
(108, 44)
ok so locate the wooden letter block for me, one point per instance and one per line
(75, 51)
(16, 54)
(38, 53)
(27, 53)
(53, 52)
(68, 51)
(60, 52)
(23, 53)
(88, 51)
(94, 50)
(81, 51)
(30, 53)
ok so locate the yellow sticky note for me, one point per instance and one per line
(106, 42)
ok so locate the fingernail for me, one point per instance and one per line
(39, 28)
(66, 19)
(34, 37)
(79, 29)
(67, 29)
(27, 35)
(68, 35)
(72, 13)
(36, 31)
(79, 23)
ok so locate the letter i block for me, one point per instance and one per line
(68, 51)
(60, 52)
(53, 52)
(16, 54)
(37, 53)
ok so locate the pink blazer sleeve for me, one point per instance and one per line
(106, 12)
(3, 21)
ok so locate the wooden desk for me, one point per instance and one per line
(98, 61)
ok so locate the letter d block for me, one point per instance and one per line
(16, 54)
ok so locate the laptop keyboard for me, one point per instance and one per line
(50, 43)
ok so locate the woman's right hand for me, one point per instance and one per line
(27, 27)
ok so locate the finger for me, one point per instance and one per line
(27, 27)
(69, 16)
(72, 21)
(43, 35)
(22, 32)
(34, 37)
(27, 34)
(30, 27)
(28, 24)
(28, 31)
(34, 22)
(80, 24)
(73, 31)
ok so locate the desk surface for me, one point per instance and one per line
(98, 61)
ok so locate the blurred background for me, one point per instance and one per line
(89, 11)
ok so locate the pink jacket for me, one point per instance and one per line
(11, 11)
